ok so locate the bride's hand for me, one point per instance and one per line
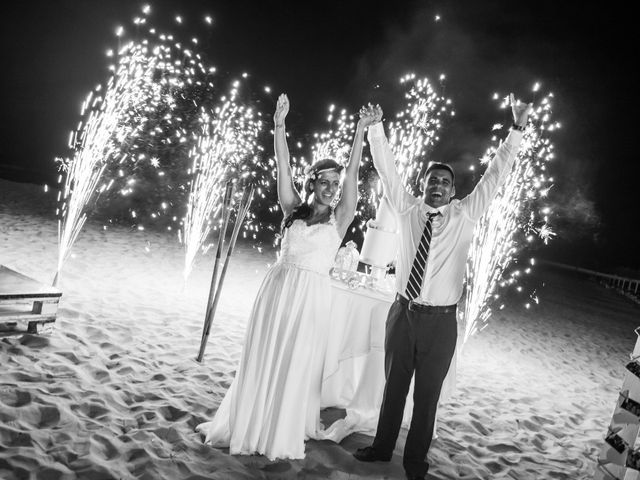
(282, 108)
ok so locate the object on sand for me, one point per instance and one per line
(26, 305)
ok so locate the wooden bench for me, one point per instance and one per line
(25, 304)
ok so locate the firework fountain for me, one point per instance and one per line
(415, 129)
(160, 141)
(98, 140)
(412, 133)
(227, 138)
(335, 142)
(516, 208)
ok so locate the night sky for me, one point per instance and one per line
(349, 53)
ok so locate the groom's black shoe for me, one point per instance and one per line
(411, 475)
(370, 454)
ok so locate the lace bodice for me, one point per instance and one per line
(312, 247)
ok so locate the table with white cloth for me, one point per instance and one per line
(354, 363)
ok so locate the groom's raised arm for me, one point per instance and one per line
(383, 159)
(478, 201)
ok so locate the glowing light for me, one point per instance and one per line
(412, 134)
(96, 141)
(226, 140)
(495, 246)
(415, 129)
(135, 133)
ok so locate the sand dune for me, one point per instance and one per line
(114, 391)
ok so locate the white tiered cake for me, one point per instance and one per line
(380, 240)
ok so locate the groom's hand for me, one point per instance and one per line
(520, 111)
(369, 115)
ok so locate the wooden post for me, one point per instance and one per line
(243, 208)
(226, 213)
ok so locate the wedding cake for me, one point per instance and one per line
(381, 238)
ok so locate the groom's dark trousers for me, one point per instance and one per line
(420, 339)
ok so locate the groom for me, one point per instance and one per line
(434, 237)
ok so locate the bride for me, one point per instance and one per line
(273, 404)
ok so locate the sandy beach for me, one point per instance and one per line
(114, 391)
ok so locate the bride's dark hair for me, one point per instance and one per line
(303, 210)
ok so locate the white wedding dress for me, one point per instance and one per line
(273, 404)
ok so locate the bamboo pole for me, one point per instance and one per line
(243, 208)
(226, 214)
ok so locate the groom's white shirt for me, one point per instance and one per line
(452, 231)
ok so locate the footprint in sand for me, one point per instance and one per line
(91, 410)
(541, 442)
(480, 428)
(171, 434)
(14, 398)
(542, 420)
(49, 416)
(75, 338)
(534, 427)
(69, 356)
(495, 467)
(171, 413)
(145, 417)
(126, 370)
(504, 448)
(136, 455)
(15, 438)
(101, 375)
(104, 447)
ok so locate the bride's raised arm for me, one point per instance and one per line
(288, 196)
(346, 208)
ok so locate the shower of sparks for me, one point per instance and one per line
(227, 138)
(97, 141)
(412, 134)
(150, 182)
(335, 143)
(518, 207)
(415, 129)
(160, 123)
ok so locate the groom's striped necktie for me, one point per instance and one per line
(414, 285)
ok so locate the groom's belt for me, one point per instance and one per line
(420, 308)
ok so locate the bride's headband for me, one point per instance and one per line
(312, 174)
